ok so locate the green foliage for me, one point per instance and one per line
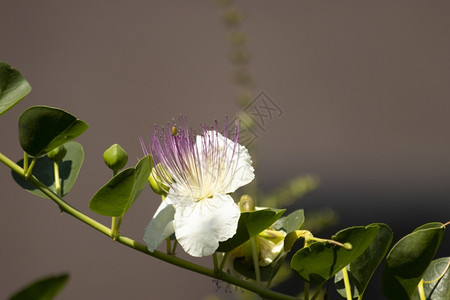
(43, 170)
(436, 280)
(43, 128)
(288, 224)
(250, 224)
(13, 87)
(291, 222)
(408, 260)
(43, 289)
(321, 261)
(117, 196)
(361, 270)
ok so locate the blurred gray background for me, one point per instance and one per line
(363, 86)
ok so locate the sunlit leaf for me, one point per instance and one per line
(43, 289)
(361, 270)
(408, 260)
(436, 283)
(43, 128)
(13, 87)
(321, 261)
(43, 170)
(117, 196)
(250, 224)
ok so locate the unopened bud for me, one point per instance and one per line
(246, 203)
(156, 182)
(115, 158)
(348, 246)
(57, 154)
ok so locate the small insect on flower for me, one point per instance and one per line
(198, 173)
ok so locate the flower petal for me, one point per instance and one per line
(243, 174)
(229, 163)
(160, 227)
(200, 226)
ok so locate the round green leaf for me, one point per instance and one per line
(361, 270)
(43, 289)
(117, 196)
(43, 128)
(250, 224)
(436, 280)
(13, 87)
(43, 170)
(408, 260)
(321, 261)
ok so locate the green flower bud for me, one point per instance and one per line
(57, 154)
(115, 158)
(156, 183)
(246, 203)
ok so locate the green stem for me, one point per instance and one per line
(421, 290)
(174, 248)
(30, 168)
(57, 179)
(114, 227)
(25, 161)
(215, 263)
(317, 292)
(168, 246)
(64, 206)
(306, 292)
(255, 257)
(224, 260)
(348, 290)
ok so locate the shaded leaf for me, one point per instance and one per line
(361, 270)
(13, 87)
(43, 289)
(321, 261)
(43, 128)
(250, 224)
(43, 170)
(436, 280)
(408, 260)
(117, 196)
(291, 222)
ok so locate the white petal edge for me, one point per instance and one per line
(160, 227)
(201, 226)
(239, 158)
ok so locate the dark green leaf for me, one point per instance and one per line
(43, 289)
(43, 170)
(250, 224)
(361, 269)
(436, 280)
(291, 222)
(321, 261)
(117, 196)
(13, 87)
(43, 128)
(408, 260)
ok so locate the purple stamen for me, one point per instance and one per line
(191, 165)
